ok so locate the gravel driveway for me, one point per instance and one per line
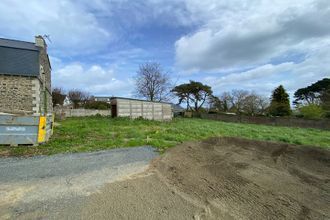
(45, 185)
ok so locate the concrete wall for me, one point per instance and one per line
(144, 109)
(277, 121)
(62, 113)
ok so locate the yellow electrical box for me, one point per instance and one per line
(42, 129)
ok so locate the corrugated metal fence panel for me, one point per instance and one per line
(16, 130)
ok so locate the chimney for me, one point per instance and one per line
(40, 41)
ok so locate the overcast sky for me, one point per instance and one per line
(98, 45)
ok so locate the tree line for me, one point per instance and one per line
(77, 99)
(311, 102)
(154, 84)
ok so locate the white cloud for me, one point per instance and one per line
(263, 79)
(87, 27)
(94, 79)
(72, 28)
(92, 40)
(240, 34)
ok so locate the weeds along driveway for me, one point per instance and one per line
(49, 183)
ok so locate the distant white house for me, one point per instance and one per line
(67, 101)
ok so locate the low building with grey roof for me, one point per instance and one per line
(106, 99)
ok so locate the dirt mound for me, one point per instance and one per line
(219, 178)
(139, 198)
(234, 178)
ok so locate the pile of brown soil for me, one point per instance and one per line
(220, 178)
(232, 178)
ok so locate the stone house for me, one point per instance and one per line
(25, 77)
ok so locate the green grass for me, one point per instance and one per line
(99, 133)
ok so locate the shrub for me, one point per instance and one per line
(97, 105)
(312, 111)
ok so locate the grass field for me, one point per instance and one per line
(99, 133)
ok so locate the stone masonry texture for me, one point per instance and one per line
(46, 104)
(28, 95)
(16, 94)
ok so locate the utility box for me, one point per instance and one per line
(25, 130)
(135, 108)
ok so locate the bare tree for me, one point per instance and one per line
(78, 98)
(251, 104)
(215, 104)
(242, 101)
(263, 103)
(238, 99)
(152, 82)
(58, 96)
(227, 101)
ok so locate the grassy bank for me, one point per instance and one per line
(99, 133)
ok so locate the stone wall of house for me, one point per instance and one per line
(45, 69)
(24, 95)
(46, 103)
(19, 94)
(28, 95)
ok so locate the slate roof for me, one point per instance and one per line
(18, 58)
(18, 44)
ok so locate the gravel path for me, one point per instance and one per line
(44, 185)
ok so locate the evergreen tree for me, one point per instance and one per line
(316, 93)
(193, 92)
(280, 103)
